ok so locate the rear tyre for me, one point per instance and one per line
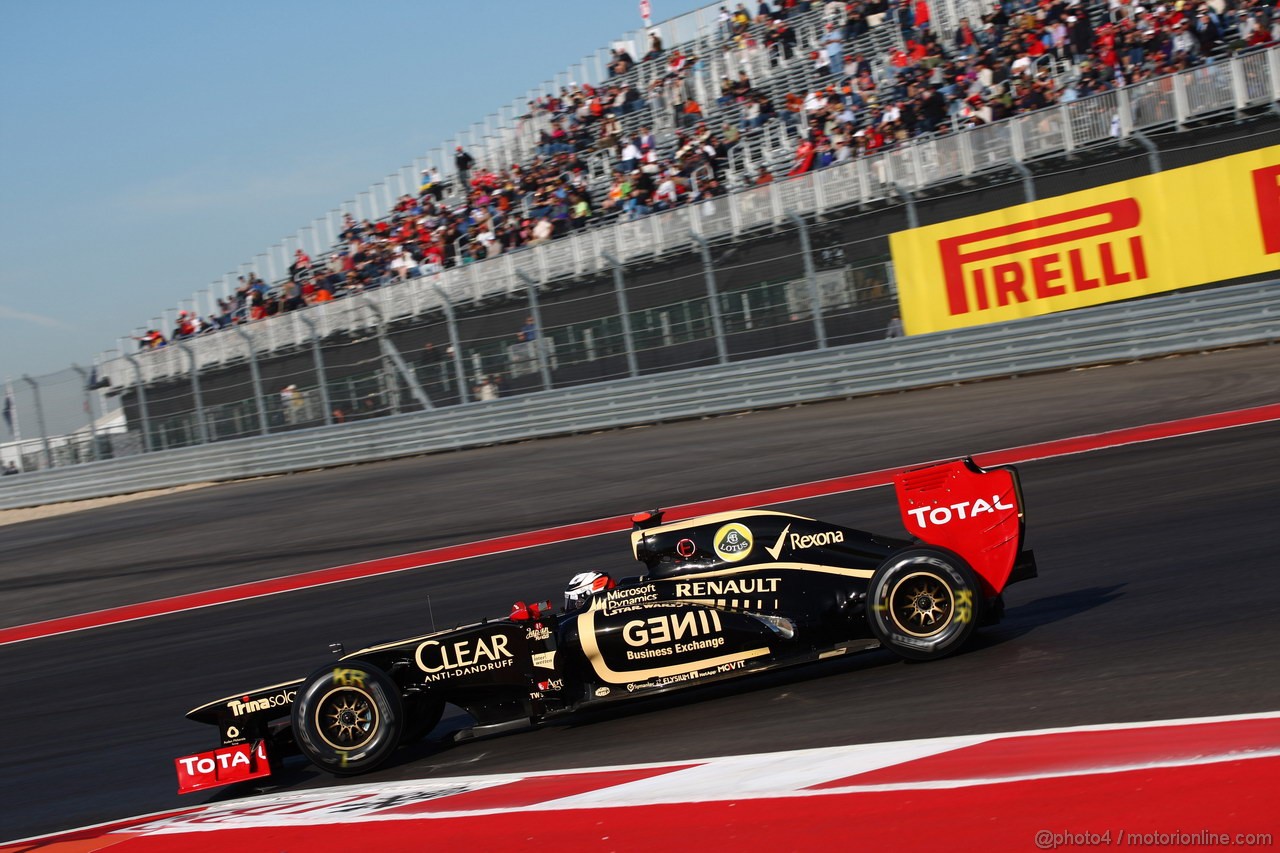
(924, 603)
(348, 718)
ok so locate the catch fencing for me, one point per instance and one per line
(1173, 323)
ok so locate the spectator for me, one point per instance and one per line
(620, 63)
(708, 189)
(403, 263)
(432, 183)
(804, 158)
(529, 331)
(579, 210)
(486, 389)
(463, 162)
(666, 196)
(692, 113)
(833, 46)
(780, 41)
(542, 231)
(637, 204)
(655, 46)
(184, 328)
(965, 39)
(300, 269)
(631, 155)
(293, 298)
(727, 94)
(151, 340)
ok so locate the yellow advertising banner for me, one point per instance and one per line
(1195, 225)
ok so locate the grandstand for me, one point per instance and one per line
(711, 277)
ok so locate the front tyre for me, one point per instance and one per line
(347, 718)
(924, 603)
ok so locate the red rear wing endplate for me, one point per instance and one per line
(973, 512)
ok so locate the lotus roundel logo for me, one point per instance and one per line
(733, 542)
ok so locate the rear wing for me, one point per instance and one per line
(971, 511)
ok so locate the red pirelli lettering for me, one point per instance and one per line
(968, 277)
(1266, 190)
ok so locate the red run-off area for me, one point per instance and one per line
(1189, 784)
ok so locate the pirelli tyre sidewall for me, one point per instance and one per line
(347, 717)
(924, 603)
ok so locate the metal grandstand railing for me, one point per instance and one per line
(1225, 87)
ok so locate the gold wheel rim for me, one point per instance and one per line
(921, 604)
(346, 718)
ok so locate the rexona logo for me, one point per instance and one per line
(940, 515)
(1041, 258)
(462, 657)
(816, 540)
(733, 542)
(264, 703)
(664, 634)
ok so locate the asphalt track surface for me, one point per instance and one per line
(1159, 594)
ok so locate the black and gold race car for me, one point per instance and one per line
(721, 596)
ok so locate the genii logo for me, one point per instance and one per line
(733, 542)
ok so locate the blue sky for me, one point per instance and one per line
(147, 148)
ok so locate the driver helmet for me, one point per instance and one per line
(582, 586)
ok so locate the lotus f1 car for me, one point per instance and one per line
(721, 596)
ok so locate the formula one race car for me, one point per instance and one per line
(721, 596)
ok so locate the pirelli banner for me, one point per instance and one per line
(1209, 222)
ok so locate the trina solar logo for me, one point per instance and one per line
(1082, 249)
(262, 703)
